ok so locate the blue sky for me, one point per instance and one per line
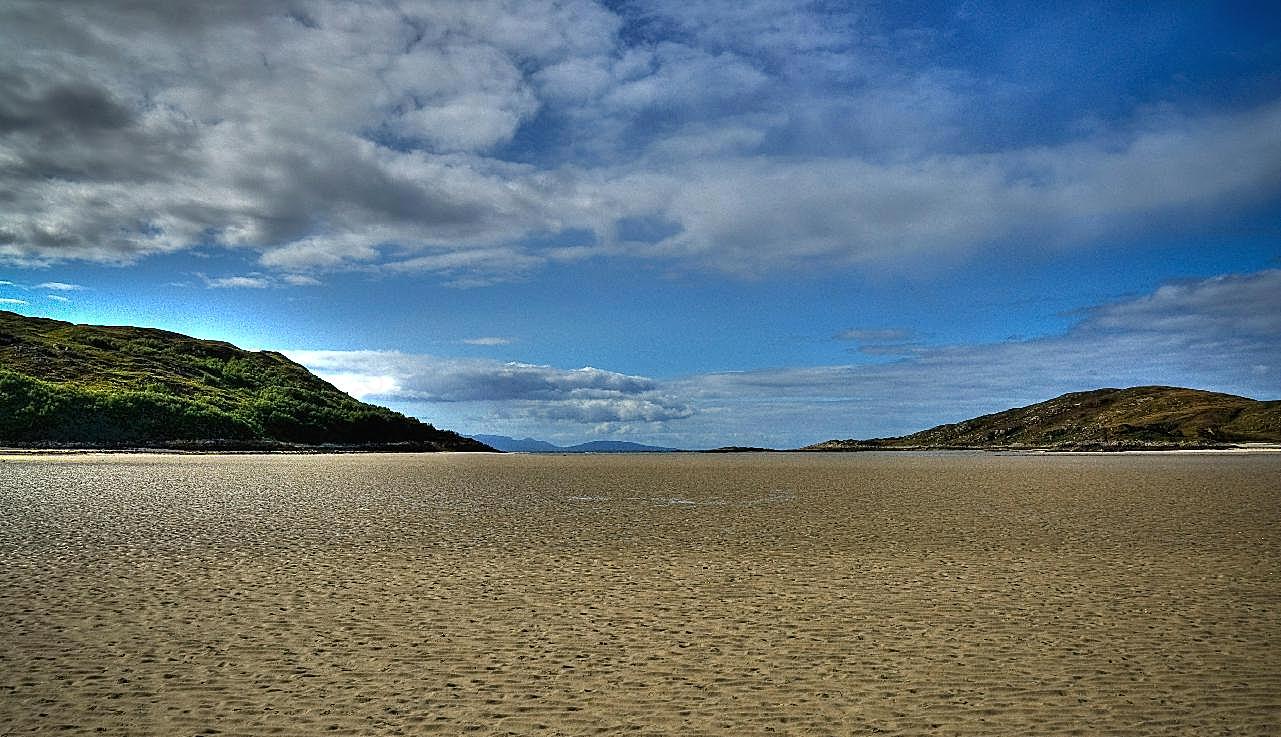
(690, 224)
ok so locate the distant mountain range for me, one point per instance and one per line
(530, 445)
(1102, 419)
(89, 386)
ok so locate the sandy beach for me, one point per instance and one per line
(805, 594)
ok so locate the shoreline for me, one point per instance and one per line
(23, 451)
(230, 449)
(1090, 450)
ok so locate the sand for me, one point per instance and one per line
(941, 594)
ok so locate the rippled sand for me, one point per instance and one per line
(653, 595)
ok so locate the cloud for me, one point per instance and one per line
(300, 280)
(514, 390)
(364, 385)
(881, 341)
(130, 132)
(12, 301)
(751, 215)
(446, 138)
(58, 298)
(236, 282)
(257, 281)
(59, 286)
(1222, 334)
(487, 341)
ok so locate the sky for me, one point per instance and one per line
(690, 224)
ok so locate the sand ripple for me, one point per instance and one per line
(692, 595)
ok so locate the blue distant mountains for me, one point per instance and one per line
(531, 445)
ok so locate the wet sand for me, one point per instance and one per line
(953, 594)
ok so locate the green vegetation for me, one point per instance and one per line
(82, 385)
(1104, 419)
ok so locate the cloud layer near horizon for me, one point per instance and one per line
(479, 140)
(1222, 333)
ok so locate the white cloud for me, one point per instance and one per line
(58, 298)
(12, 301)
(59, 286)
(300, 280)
(487, 341)
(516, 390)
(362, 386)
(458, 97)
(754, 214)
(256, 281)
(357, 135)
(236, 282)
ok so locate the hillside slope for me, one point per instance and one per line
(1144, 416)
(83, 385)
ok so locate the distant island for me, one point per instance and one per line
(1142, 417)
(530, 445)
(84, 386)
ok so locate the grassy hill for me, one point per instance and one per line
(1144, 416)
(83, 385)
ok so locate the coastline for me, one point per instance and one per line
(1089, 449)
(405, 448)
(230, 448)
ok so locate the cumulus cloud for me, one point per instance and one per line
(1221, 334)
(131, 131)
(446, 138)
(515, 390)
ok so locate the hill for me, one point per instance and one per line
(1138, 417)
(63, 384)
(514, 445)
(530, 445)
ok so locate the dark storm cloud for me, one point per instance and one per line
(73, 107)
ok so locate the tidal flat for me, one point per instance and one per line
(807, 594)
